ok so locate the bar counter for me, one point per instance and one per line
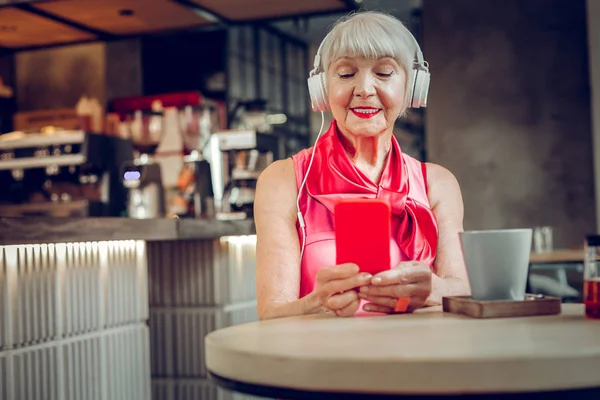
(108, 308)
(36, 230)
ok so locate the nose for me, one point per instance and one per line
(365, 85)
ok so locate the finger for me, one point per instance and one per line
(385, 301)
(400, 304)
(407, 264)
(349, 310)
(393, 291)
(389, 277)
(339, 301)
(372, 307)
(341, 271)
(408, 272)
(342, 285)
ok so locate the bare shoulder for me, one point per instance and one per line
(279, 176)
(276, 188)
(442, 186)
(280, 170)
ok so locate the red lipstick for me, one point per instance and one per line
(365, 112)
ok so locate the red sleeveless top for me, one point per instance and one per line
(333, 176)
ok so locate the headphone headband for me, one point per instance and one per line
(317, 60)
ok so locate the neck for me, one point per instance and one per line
(368, 154)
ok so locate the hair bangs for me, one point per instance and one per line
(360, 40)
(368, 38)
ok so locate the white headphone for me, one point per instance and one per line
(419, 86)
(318, 96)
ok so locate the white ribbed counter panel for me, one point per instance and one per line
(196, 286)
(73, 321)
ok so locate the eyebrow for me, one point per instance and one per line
(353, 58)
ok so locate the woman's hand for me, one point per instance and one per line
(410, 280)
(337, 288)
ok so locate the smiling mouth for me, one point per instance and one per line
(365, 112)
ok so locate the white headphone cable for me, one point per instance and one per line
(300, 217)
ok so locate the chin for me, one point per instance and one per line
(366, 126)
(366, 130)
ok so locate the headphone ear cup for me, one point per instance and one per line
(420, 89)
(318, 92)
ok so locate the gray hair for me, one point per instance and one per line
(372, 35)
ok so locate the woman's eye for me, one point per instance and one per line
(385, 75)
(345, 76)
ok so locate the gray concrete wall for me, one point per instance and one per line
(593, 30)
(6, 69)
(124, 68)
(509, 111)
(58, 77)
(7, 104)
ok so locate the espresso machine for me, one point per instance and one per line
(62, 173)
(142, 176)
(237, 158)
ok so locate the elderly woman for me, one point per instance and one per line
(367, 74)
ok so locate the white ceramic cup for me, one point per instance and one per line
(497, 262)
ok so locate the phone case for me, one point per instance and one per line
(362, 234)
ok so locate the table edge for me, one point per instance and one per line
(417, 378)
(271, 391)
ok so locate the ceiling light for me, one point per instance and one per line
(126, 12)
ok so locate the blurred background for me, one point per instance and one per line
(510, 112)
(163, 113)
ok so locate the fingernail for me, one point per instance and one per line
(364, 289)
(376, 280)
(368, 308)
(362, 295)
(366, 277)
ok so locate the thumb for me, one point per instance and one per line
(414, 271)
(407, 264)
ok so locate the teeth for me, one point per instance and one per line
(365, 111)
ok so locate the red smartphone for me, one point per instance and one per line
(362, 234)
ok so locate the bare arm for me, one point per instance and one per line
(278, 256)
(446, 202)
(277, 247)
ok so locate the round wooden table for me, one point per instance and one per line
(426, 353)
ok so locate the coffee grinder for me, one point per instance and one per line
(195, 189)
(142, 176)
